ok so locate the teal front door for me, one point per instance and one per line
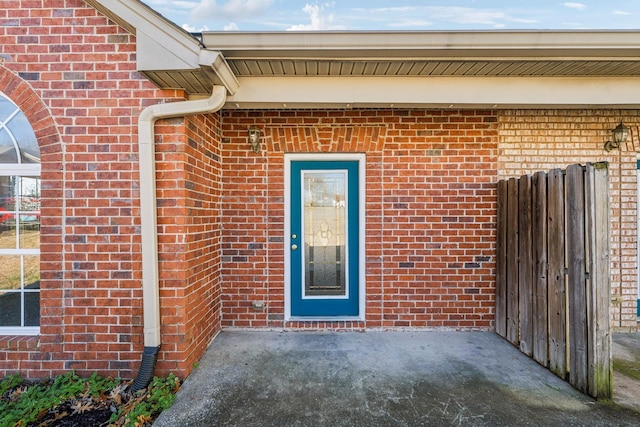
(324, 241)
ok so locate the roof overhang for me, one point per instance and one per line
(451, 69)
(169, 56)
(455, 69)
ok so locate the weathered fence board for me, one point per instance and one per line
(552, 295)
(577, 278)
(512, 265)
(525, 275)
(556, 292)
(501, 262)
(540, 314)
(599, 353)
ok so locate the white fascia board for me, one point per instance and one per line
(435, 92)
(431, 44)
(215, 63)
(161, 45)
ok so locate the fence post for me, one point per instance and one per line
(598, 287)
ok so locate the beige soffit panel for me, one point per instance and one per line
(434, 53)
(435, 92)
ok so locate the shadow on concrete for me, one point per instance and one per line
(378, 379)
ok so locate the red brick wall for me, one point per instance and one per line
(188, 183)
(73, 73)
(533, 140)
(430, 213)
(22, 353)
(430, 202)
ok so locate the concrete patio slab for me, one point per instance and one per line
(376, 379)
(626, 370)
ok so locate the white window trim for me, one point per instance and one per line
(20, 331)
(24, 170)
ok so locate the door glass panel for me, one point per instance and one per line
(325, 231)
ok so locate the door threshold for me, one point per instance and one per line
(325, 319)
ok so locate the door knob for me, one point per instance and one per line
(294, 247)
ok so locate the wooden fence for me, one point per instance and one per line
(553, 285)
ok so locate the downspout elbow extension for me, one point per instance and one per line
(147, 367)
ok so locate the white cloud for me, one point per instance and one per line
(463, 15)
(231, 9)
(577, 6)
(318, 20)
(470, 16)
(406, 16)
(413, 23)
(232, 26)
(193, 29)
(621, 12)
(575, 25)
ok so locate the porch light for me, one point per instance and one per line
(620, 135)
(254, 139)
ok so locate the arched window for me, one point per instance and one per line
(19, 223)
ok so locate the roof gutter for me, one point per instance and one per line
(149, 219)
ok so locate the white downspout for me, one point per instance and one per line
(149, 219)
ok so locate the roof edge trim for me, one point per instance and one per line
(449, 43)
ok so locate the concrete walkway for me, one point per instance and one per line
(379, 379)
(626, 370)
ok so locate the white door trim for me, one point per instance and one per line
(361, 159)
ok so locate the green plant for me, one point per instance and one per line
(157, 397)
(10, 382)
(95, 385)
(27, 403)
(68, 394)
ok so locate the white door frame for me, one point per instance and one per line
(361, 159)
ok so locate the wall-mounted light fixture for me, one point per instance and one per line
(254, 139)
(620, 135)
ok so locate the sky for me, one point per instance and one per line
(398, 15)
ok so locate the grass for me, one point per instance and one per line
(93, 401)
(10, 265)
(628, 368)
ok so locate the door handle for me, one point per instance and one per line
(294, 247)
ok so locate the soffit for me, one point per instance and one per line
(484, 54)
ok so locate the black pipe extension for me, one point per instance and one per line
(147, 367)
